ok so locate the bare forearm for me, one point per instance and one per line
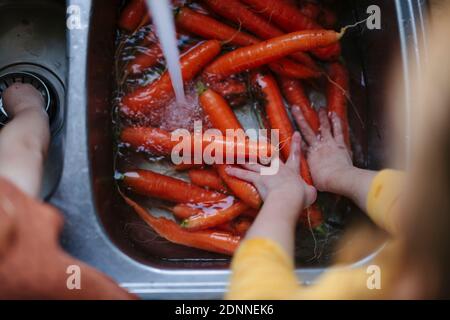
(354, 184)
(23, 148)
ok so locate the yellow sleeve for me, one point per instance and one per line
(261, 270)
(383, 197)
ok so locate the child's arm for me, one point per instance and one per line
(24, 140)
(285, 195)
(330, 161)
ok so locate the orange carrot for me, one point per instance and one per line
(233, 90)
(147, 58)
(310, 10)
(254, 56)
(157, 94)
(245, 191)
(239, 13)
(213, 217)
(279, 119)
(218, 111)
(210, 240)
(338, 89)
(239, 226)
(291, 69)
(210, 28)
(207, 178)
(159, 142)
(285, 15)
(295, 95)
(132, 15)
(152, 184)
(195, 22)
(223, 118)
(291, 19)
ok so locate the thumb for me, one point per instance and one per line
(310, 196)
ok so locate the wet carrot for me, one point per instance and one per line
(207, 178)
(233, 90)
(213, 217)
(219, 112)
(195, 23)
(240, 14)
(152, 184)
(209, 28)
(245, 191)
(132, 15)
(290, 69)
(310, 10)
(145, 100)
(147, 58)
(337, 92)
(286, 15)
(295, 95)
(209, 240)
(291, 19)
(223, 118)
(159, 142)
(279, 120)
(254, 56)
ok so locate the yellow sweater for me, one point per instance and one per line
(262, 270)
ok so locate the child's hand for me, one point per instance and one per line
(21, 96)
(286, 185)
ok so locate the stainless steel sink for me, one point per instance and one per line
(33, 44)
(96, 217)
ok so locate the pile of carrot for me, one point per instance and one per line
(240, 52)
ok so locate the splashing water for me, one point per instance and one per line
(165, 30)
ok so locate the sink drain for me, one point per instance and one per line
(8, 79)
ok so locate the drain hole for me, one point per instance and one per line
(8, 79)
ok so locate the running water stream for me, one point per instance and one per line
(165, 29)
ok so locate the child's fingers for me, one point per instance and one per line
(338, 132)
(294, 158)
(310, 196)
(255, 167)
(307, 132)
(325, 128)
(242, 174)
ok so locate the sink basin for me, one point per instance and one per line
(33, 42)
(98, 223)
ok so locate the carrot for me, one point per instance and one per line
(195, 22)
(290, 69)
(240, 14)
(330, 53)
(285, 15)
(218, 111)
(152, 184)
(275, 111)
(207, 178)
(186, 210)
(147, 58)
(223, 118)
(132, 15)
(295, 95)
(254, 56)
(210, 28)
(291, 19)
(242, 189)
(279, 119)
(310, 10)
(145, 99)
(233, 90)
(213, 217)
(159, 142)
(338, 88)
(210, 240)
